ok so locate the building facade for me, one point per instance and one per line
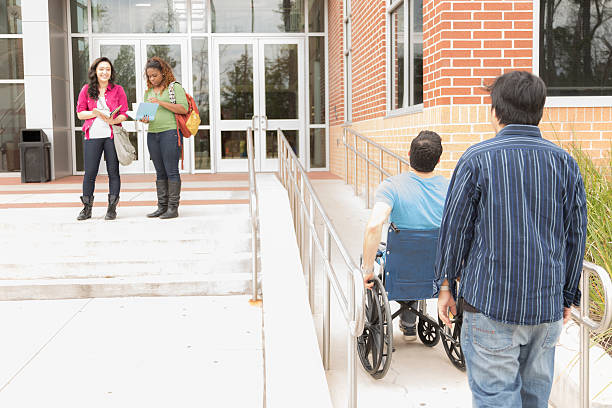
(409, 65)
(257, 63)
(386, 68)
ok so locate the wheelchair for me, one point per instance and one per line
(406, 274)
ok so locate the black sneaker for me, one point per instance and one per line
(409, 332)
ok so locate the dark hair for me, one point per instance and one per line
(92, 89)
(425, 151)
(518, 98)
(163, 67)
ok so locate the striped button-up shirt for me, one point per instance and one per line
(514, 228)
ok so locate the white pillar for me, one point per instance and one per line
(45, 56)
(37, 68)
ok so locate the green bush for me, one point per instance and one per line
(598, 187)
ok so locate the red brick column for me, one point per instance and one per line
(467, 43)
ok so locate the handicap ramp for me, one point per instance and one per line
(419, 376)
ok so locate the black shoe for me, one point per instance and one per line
(86, 211)
(174, 196)
(409, 332)
(111, 211)
(162, 198)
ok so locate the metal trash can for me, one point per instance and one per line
(35, 154)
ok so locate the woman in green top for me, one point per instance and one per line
(164, 140)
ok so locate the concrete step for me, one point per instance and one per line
(137, 242)
(131, 227)
(138, 264)
(175, 285)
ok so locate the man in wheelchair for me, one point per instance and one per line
(412, 200)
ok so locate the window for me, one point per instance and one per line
(406, 53)
(12, 98)
(257, 16)
(575, 52)
(153, 16)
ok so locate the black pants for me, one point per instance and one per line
(165, 153)
(92, 152)
(407, 318)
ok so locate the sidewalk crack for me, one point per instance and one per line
(45, 345)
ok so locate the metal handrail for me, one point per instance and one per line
(352, 304)
(368, 162)
(254, 213)
(588, 325)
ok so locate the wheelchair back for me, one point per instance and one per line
(408, 263)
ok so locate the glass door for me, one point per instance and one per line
(258, 83)
(127, 63)
(281, 98)
(174, 52)
(129, 58)
(235, 73)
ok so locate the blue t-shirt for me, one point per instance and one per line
(416, 203)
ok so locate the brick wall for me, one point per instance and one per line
(368, 59)
(467, 43)
(462, 126)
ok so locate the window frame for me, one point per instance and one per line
(560, 101)
(347, 52)
(14, 81)
(410, 39)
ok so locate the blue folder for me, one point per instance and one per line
(146, 109)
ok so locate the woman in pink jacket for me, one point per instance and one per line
(97, 101)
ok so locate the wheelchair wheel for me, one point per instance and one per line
(428, 333)
(452, 343)
(375, 344)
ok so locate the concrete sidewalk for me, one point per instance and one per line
(131, 352)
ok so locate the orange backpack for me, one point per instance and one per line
(189, 122)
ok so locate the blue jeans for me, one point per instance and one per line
(509, 365)
(92, 153)
(165, 153)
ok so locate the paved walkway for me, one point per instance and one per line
(131, 352)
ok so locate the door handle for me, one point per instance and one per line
(264, 123)
(253, 123)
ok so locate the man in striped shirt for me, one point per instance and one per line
(513, 231)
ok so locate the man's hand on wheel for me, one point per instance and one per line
(367, 280)
(446, 302)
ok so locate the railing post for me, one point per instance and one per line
(302, 232)
(367, 175)
(352, 348)
(355, 171)
(254, 214)
(278, 154)
(326, 300)
(344, 140)
(380, 163)
(311, 259)
(584, 341)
